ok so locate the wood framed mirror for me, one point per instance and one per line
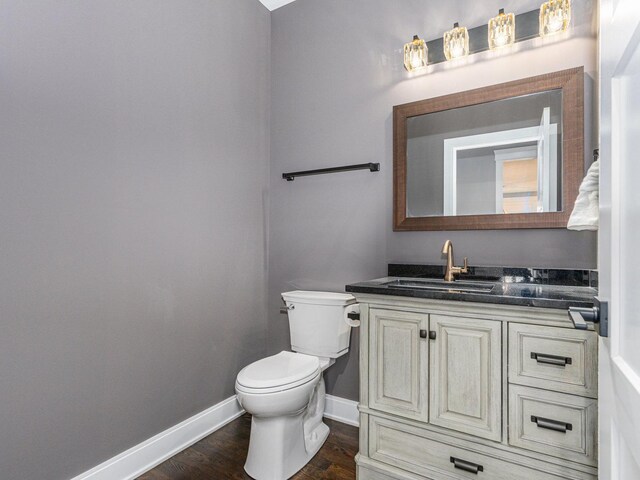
(506, 156)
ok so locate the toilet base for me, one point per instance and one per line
(280, 446)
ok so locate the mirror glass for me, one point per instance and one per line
(499, 157)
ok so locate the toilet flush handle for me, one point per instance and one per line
(284, 310)
(352, 315)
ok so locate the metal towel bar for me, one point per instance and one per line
(372, 167)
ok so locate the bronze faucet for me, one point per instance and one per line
(452, 270)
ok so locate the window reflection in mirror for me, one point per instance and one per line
(491, 158)
(519, 192)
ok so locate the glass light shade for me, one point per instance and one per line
(456, 42)
(415, 54)
(555, 16)
(502, 30)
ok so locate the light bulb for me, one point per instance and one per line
(500, 40)
(555, 22)
(457, 50)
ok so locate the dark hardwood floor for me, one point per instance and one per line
(221, 455)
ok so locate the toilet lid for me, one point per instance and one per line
(278, 370)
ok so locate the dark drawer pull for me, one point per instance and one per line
(423, 334)
(551, 359)
(466, 466)
(551, 424)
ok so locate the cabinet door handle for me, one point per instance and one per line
(432, 334)
(466, 466)
(423, 334)
(551, 359)
(551, 424)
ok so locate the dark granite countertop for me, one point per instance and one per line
(559, 289)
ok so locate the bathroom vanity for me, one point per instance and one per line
(485, 377)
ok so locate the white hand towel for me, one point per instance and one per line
(586, 212)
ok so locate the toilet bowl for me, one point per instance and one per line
(286, 423)
(285, 393)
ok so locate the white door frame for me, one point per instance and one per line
(495, 139)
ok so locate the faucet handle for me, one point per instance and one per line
(465, 269)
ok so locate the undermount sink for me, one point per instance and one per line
(433, 284)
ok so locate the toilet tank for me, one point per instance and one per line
(317, 322)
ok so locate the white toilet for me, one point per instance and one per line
(285, 393)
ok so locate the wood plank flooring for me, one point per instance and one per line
(221, 455)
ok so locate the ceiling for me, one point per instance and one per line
(273, 4)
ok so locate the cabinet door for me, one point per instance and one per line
(398, 363)
(465, 393)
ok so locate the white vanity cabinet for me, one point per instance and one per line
(457, 390)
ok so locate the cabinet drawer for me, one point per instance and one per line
(409, 448)
(553, 423)
(559, 359)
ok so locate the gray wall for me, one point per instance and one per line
(336, 74)
(133, 166)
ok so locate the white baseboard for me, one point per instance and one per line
(342, 410)
(152, 452)
(146, 455)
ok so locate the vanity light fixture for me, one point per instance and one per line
(456, 42)
(502, 30)
(415, 54)
(554, 17)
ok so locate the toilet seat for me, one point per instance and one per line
(283, 371)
